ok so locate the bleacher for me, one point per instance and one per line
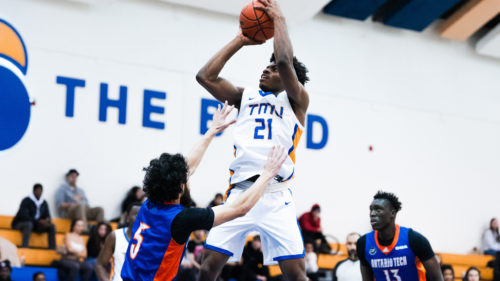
(38, 255)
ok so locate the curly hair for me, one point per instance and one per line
(165, 177)
(300, 69)
(391, 197)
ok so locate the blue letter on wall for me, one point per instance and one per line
(205, 115)
(105, 102)
(149, 108)
(71, 84)
(311, 119)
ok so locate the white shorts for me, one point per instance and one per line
(273, 216)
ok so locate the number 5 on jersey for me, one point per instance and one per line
(134, 248)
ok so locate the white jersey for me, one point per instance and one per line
(264, 120)
(121, 245)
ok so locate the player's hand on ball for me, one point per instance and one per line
(248, 41)
(272, 9)
(275, 160)
(219, 122)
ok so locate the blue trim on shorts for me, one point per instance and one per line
(217, 249)
(289, 257)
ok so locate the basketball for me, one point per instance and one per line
(256, 24)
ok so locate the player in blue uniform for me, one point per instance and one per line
(163, 226)
(392, 252)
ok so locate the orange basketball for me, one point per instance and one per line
(256, 24)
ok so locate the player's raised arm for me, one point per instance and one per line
(283, 54)
(244, 203)
(218, 125)
(208, 75)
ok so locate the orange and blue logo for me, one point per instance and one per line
(15, 108)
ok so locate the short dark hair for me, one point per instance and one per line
(37, 186)
(35, 275)
(165, 177)
(391, 197)
(71, 171)
(300, 69)
(447, 267)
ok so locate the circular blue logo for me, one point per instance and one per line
(15, 109)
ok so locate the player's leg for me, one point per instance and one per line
(224, 242)
(280, 234)
(293, 269)
(212, 265)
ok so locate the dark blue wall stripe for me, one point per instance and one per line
(354, 9)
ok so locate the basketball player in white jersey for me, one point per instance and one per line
(273, 114)
(115, 247)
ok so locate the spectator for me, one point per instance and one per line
(38, 276)
(310, 224)
(253, 262)
(72, 203)
(73, 260)
(348, 269)
(96, 241)
(190, 265)
(472, 274)
(34, 215)
(311, 260)
(5, 270)
(491, 239)
(448, 272)
(216, 201)
(134, 196)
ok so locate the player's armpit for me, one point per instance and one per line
(433, 269)
(104, 257)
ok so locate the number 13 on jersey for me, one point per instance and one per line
(262, 127)
(134, 248)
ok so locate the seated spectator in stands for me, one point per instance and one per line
(38, 276)
(448, 272)
(34, 215)
(311, 260)
(216, 201)
(96, 241)
(472, 274)
(491, 239)
(5, 270)
(73, 260)
(349, 269)
(253, 262)
(134, 196)
(310, 225)
(190, 265)
(72, 203)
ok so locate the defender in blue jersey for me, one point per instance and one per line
(392, 252)
(163, 225)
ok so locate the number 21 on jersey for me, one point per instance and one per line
(261, 127)
(134, 248)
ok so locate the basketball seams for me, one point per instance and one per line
(258, 28)
(258, 21)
